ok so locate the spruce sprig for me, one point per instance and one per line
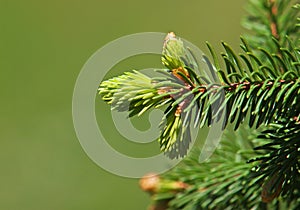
(260, 86)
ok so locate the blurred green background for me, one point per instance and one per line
(44, 45)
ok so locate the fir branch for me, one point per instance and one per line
(226, 182)
(260, 86)
(271, 18)
(280, 166)
(220, 183)
(250, 86)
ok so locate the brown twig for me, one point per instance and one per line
(273, 19)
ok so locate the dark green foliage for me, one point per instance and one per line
(223, 181)
(281, 160)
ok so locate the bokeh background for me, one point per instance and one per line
(43, 46)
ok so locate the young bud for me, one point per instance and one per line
(152, 183)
